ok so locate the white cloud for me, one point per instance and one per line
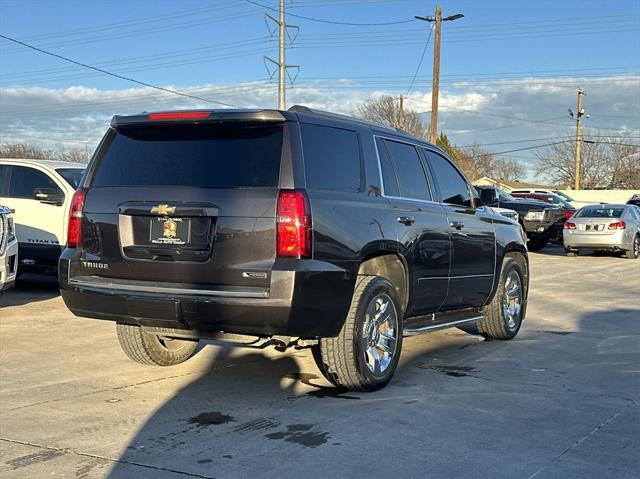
(496, 111)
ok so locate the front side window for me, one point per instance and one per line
(453, 187)
(331, 158)
(24, 181)
(410, 174)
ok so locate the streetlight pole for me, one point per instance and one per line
(435, 90)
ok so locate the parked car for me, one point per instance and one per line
(300, 227)
(8, 250)
(634, 200)
(40, 192)
(604, 227)
(567, 209)
(559, 193)
(536, 217)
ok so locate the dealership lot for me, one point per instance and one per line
(561, 400)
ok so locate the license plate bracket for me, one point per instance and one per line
(170, 231)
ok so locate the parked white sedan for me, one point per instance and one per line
(604, 227)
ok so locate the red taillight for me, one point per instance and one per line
(569, 225)
(179, 115)
(569, 213)
(618, 225)
(74, 231)
(293, 232)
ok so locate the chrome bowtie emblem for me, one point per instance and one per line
(163, 209)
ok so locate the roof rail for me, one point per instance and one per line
(312, 111)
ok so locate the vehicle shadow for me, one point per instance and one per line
(31, 288)
(254, 413)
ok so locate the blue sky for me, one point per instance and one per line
(505, 60)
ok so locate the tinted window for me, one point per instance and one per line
(24, 181)
(453, 186)
(389, 180)
(331, 158)
(408, 166)
(4, 179)
(599, 212)
(206, 156)
(71, 176)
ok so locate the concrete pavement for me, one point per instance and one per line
(562, 400)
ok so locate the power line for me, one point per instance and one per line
(426, 45)
(332, 22)
(115, 74)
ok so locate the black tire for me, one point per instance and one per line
(344, 360)
(572, 252)
(536, 243)
(151, 349)
(496, 324)
(634, 252)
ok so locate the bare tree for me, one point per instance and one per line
(477, 162)
(605, 163)
(23, 150)
(386, 110)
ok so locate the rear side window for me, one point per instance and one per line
(71, 176)
(205, 156)
(331, 158)
(24, 181)
(453, 187)
(600, 212)
(410, 174)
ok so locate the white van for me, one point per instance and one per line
(40, 192)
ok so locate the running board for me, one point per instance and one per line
(435, 327)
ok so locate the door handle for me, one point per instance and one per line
(406, 220)
(457, 225)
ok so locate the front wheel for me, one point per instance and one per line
(364, 356)
(634, 252)
(503, 316)
(153, 349)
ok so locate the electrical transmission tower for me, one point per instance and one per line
(283, 69)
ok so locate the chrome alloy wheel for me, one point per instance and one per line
(380, 334)
(512, 300)
(636, 246)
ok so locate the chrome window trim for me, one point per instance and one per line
(382, 193)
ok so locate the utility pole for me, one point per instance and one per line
(282, 51)
(401, 113)
(435, 90)
(578, 118)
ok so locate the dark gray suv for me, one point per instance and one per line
(300, 227)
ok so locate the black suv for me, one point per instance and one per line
(541, 221)
(304, 228)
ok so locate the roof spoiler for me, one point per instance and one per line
(198, 116)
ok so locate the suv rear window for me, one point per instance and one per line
(205, 156)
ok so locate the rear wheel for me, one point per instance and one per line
(634, 252)
(364, 356)
(503, 316)
(152, 349)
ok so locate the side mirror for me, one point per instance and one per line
(49, 196)
(489, 197)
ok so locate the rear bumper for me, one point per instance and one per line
(306, 298)
(596, 241)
